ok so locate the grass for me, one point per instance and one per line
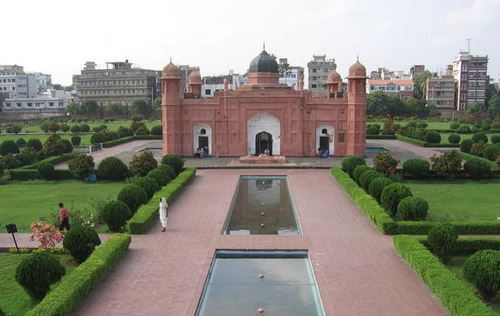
(459, 200)
(456, 265)
(13, 299)
(431, 125)
(85, 138)
(111, 125)
(25, 202)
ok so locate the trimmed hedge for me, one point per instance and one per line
(72, 289)
(380, 136)
(51, 160)
(471, 227)
(146, 215)
(124, 140)
(455, 294)
(410, 140)
(467, 157)
(365, 202)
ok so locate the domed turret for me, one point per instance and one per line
(333, 77)
(263, 63)
(171, 71)
(357, 70)
(194, 77)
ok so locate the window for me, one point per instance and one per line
(30, 104)
(61, 103)
(18, 105)
(203, 131)
(313, 86)
(324, 131)
(208, 91)
(314, 70)
(51, 103)
(8, 104)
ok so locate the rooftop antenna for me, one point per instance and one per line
(468, 44)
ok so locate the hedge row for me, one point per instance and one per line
(469, 245)
(51, 160)
(146, 215)
(423, 227)
(380, 136)
(72, 289)
(467, 157)
(365, 202)
(410, 140)
(32, 174)
(124, 140)
(455, 294)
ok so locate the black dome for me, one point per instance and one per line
(264, 63)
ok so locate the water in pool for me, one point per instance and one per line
(262, 205)
(254, 283)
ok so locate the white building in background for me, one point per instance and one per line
(40, 104)
(44, 80)
(401, 88)
(14, 83)
(212, 84)
(289, 75)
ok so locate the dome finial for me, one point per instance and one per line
(263, 45)
(357, 57)
(170, 59)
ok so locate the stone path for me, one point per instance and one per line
(403, 150)
(356, 267)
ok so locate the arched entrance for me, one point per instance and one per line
(264, 143)
(202, 138)
(325, 139)
(270, 125)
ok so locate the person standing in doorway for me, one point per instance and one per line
(163, 213)
(63, 217)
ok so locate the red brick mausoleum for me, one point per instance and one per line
(264, 114)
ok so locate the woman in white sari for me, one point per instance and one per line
(163, 213)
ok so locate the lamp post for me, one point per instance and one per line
(11, 229)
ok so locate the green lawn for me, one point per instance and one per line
(42, 137)
(13, 299)
(25, 202)
(456, 265)
(459, 200)
(431, 125)
(111, 125)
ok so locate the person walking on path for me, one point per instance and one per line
(63, 217)
(163, 213)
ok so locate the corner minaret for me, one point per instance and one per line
(194, 84)
(334, 83)
(171, 109)
(356, 110)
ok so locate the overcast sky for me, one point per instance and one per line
(57, 36)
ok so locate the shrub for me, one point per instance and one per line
(75, 129)
(156, 130)
(48, 235)
(477, 149)
(37, 272)
(161, 176)
(422, 125)
(377, 186)
(99, 128)
(64, 146)
(142, 164)
(133, 195)
(412, 209)
(491, 152)
(373, 129)
(385, 163)
(169, 170)
(97, 138)
(21, 142)
(448, 164)
(348, 164)
(46, 171)
(125, 132)
(27, 156)
(358, 171)
(495, 139)
(391, 195)
(82, 166)
(76, 140)
(466, 145)
(8, 147)
(477, 167)
(483, 270)
(115, 214)
(149, 184)
(85, 128)
(367, 177)
(433, 137)
(81, 241)
(480, 137)
(64, 127)
(416, 168)
(112, 168)
(34, 144)
(14, 128)
(442, 239)
(454, 125)
(142, 130)
(454, 138)
(464, 129)
(475, 129)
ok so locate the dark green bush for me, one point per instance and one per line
(433, 137)
(81, 166)
(149, 184)
(142, 130)
(454, 125)
(495, 139)
(169, 170)
(27, 156)
(483, 270)
(75, 129)
(358, 171)
(125, 132)
(448, 164)
(34, 144)
(142, 164)
(97, 138)
(491, 152)
(422, 125)
(367, 177)
(133, 195)
(115, 214)
(81, 241)
(442, 239)
(412, 209)
(464, 129)
(161, 176)
(385, 163)
(377, 186)
(99, 128)
(416, 168)
(85, 128)
(46, 171)
(64, 146)
(477, 168)
(477, 137)
(465, 145)
(477, 149)
(112, 168)
(21, 142)
(373, 129)
(454, 138)
(37, 272)
(156, 130)
(348, 164)
(391, 195)
(76, 140)
(8, 147)
(175, 161)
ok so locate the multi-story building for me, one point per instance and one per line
(386, 74)
(186, 70)
(40, 103)
(318, 70)
(470, 72)
(212, 84)
(119, 82)
(416, 69)
(441, 92)
(289, 75)
(401, 88)
(44, 80)
(14, 83)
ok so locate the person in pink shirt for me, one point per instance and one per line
(63, 217)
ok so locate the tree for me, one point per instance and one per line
(416, 107)
(382, 104)
(113, 108)
(89, 107)
(143, 108)
(420, 84)
(494, 105)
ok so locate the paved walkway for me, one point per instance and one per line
(356, 267)
(403, 150)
